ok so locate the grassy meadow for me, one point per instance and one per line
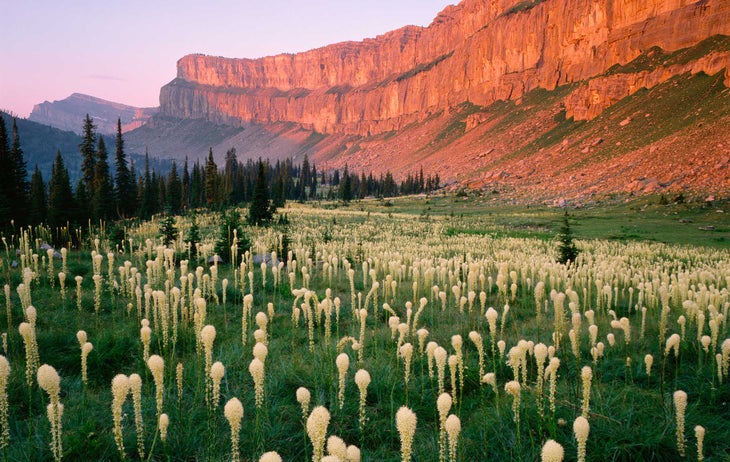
(455, 307)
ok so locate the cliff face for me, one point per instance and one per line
(479, 51)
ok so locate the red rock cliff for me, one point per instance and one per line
(478, 51)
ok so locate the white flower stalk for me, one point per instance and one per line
(552, 371)
(303, 398)
(406, 421)
(443, 405)
(513, 389)
(145, 335)
(406, 352)
(581, 429)
(343, 363)
(317, 424)
(700, 436)
(492, 316)
(163, 423)
(680, 406)
(672, 344)
(135, 385)
(648, 361)
(157, 366)
(217, 371)
(362, 380)
(353, 454)
(540, 352)
(233, 412)
(4, 422)
(476, 339)
(422, 335)
(725, 348)
(179, 380)
(337, 447)
(430, 349)
(256, 369)
(453, 372)
(586, 375)
(552, 451)
(440, 355)
(453, 428)
(120, 390)
(85, 350)
(271, 456)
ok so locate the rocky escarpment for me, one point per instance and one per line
(479, 51)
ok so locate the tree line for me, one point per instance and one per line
(129, 191)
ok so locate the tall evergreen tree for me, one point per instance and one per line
(260, 211)
(211, 181)
(124, 188)
(81, 197)
(277, 194)
(174, 190)
(103, 207)
(346, 187)
(38, 199)
(87, 148)
(5, 177)
(146, 208)
(62, 208)
(20, 186)
(185, 193)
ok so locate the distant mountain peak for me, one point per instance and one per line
(68, 114)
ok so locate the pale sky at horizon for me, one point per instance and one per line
(125, 51)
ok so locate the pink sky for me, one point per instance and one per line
(125, 51)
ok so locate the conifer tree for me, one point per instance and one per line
(211, 181)
(146, 190)
(174, 190)
(168, 230)
(567, 251)
(38, 199)
(346, 187)
(87, 148)
(81, 197)
(62, 208)
(260, 211)
(124, 187)
(5, 177)
(103, 193)
(19, 184)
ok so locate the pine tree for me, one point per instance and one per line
(5, 177)
(38, 200)
(146, 190)
(168, 230)
(124, 188)
(313, 183)
(277, 194)
(102, 201)
(87, 148)
(174, 190)
(567, 251)
(346, 187)
(211, 181)
(62, 208)
(231, 221)
(19, 185)
(81, 198)
(260, 211)
(193, 239)
(185, 193)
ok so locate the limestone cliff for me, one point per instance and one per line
(479, 51)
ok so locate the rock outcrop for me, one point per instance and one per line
(479, 51)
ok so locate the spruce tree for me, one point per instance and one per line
(38, 200)
(19, 185)
(567, 251)
(231, 221)
(62, 208)
(168, 230)
(260, 211)
(346, 187)
(5, 177)
(211, 181)
(103, 192)
(81, 197)
(277, 194)
(87, 148)
(124, 188)
(193, 239)
(174, 190)
(146, 190)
